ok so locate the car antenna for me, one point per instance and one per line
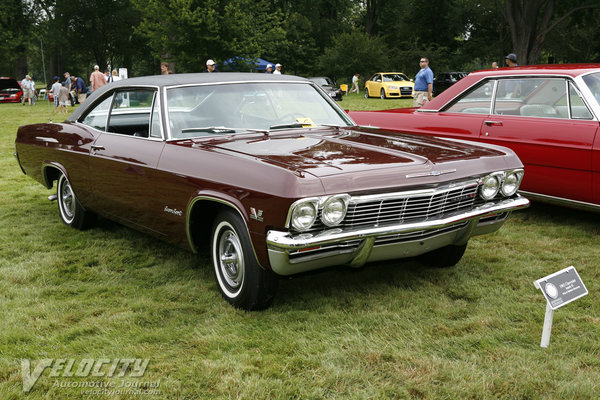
(45, 81)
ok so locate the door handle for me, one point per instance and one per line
(493, 123)
(96, 148)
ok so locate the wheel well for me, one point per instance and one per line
(201, 218)
(50, 175)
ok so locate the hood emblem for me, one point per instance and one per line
(431, 173)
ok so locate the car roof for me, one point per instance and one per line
(571, 70)
(545, 69)
(199, 78)
(161, 81)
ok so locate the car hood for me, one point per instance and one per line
(9, 83)
(331, 151)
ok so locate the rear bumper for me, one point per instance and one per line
(293, 254)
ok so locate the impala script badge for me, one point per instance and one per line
(173, 211)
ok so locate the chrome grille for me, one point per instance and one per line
(410, 207)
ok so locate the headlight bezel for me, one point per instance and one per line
(303, 204)
(331, 201)
(493, 177)
(518, 174)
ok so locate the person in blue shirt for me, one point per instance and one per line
(80, 88)
(423, 83)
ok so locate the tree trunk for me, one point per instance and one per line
(529, 22)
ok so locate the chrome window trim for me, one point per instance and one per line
(580, 85)
(112, 95)
(340, 111)
(577, 81)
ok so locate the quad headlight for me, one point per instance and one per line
(504, 182)
(304, 213)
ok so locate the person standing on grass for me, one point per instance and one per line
(56, 86)
(80, 89)
(423, 83)
(63, 98)
(355, 88)
(97, 79)
(27, 86)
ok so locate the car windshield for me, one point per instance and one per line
(321, 81)
(593, 83)
(206, 110)
(394, 77)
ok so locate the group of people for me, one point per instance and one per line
(165, 68)
(72, 90)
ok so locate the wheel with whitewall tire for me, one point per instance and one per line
(71, 211)
(241, 280)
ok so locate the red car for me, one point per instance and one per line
(270, 174)
(10, 90)
(548, 114)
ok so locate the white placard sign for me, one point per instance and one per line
(559, 289)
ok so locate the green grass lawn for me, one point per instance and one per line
(391, 330)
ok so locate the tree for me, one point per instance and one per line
(530, 21)
(354, 52)
(15, 29)
(189, 32)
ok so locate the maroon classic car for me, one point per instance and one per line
(270, 174)
(548, 114)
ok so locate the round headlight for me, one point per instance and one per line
(304, 216)
(511, 182)
(490, 187)
(334, 211)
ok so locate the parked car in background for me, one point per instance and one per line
(548, 114)
(444, 80)
(270, 174)
(389, 85)
(329, 86)
(10, 90)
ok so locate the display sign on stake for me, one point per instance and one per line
(559, 289)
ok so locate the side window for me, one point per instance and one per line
(96, 118)
(155, 128)
(578, 107)
(476, 101)
(531, 97)
(130, 112)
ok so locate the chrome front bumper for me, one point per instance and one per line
(291, 254)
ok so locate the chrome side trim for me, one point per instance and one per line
(560, 201)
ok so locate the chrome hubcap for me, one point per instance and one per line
(231, 259)
(67, 199)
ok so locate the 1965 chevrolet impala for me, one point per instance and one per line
(270, 173)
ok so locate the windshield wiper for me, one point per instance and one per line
(289, 125)
(210, 129)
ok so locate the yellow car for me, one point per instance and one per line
(389, 85)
